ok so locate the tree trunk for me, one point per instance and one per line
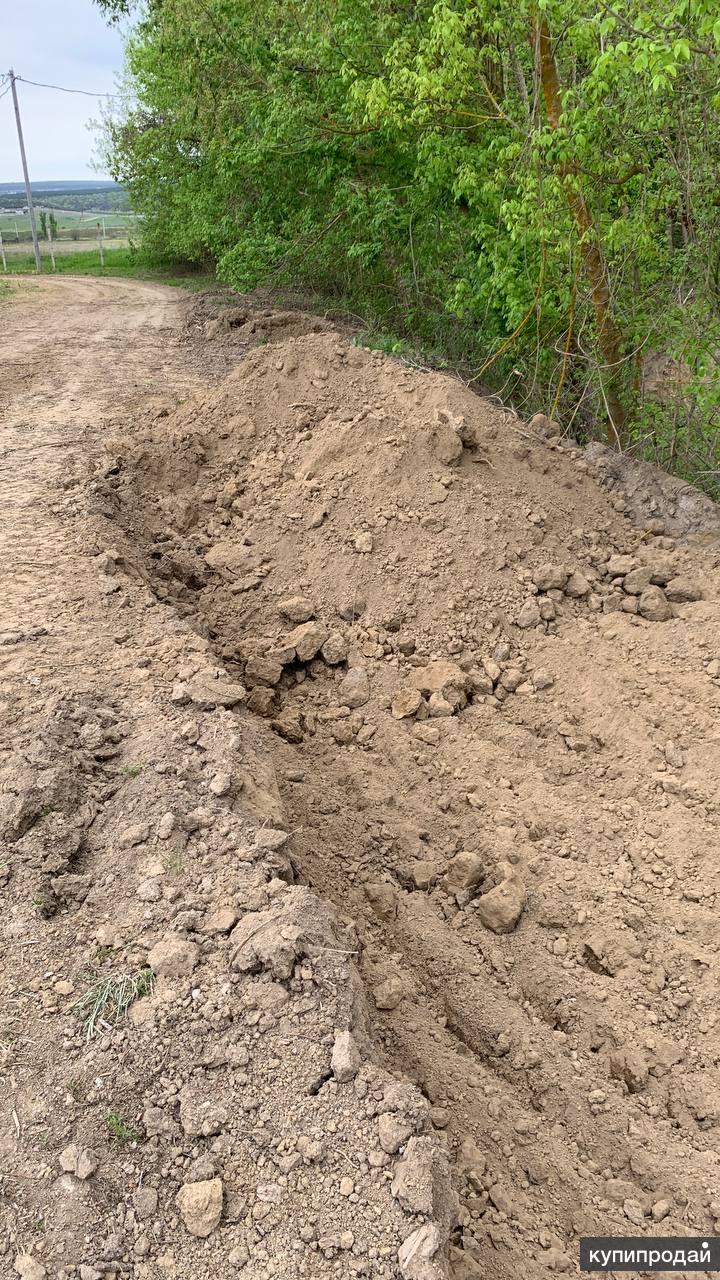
(609, 338)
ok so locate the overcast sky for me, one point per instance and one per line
(63, 42)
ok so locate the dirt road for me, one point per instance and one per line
(295, 620)
(137, 833)
(74, 353)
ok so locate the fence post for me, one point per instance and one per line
(102, 255)
(50, 243)
(2, 252)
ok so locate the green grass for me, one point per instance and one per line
(132, 263)
(120, 1129)
(106, 1004)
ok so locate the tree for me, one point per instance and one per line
(524, 187)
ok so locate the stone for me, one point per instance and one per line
(288, 727)
(419, 1177)
(416, 1253)
(363, 543)
(660, 1210)
(297, 609)
(542, 679)
(577, 586)
(446, 679)
(682, 591)
(654, 605)
(543, 426)
(220, 784)
(406, 702)
(145, 1201)
(82, 1162)
(307, 640)
(354, 690)
(222, 920)
(393, 1132)
(465, 871)
(208, 693)
(202, 1115)
(637, 581)
(438, 705)
(200, 1205)
(388, 994)
(262, 701)
(424, 874)
(29, 1268)
(550, 577)
(621, 566)
(500, 909)
(529, 615)
(262, 671)
(239, 1257)
(335, 648)
(166, 826)
(345, 1060)
(173, 957)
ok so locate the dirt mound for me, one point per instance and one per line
(654, 497)
(491, 703)
(217, 318)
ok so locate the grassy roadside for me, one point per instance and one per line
(130, 263)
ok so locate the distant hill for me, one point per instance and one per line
(72, 196)
(98, 184)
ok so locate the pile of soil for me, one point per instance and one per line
(491, 702)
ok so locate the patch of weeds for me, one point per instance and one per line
(119, 1129)
(106, 1004)
(103, 952)
(132, 770)
(386, 342)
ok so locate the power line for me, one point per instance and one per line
(62, 89)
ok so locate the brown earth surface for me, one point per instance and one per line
(362, 716)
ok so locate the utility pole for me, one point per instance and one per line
(28, 192)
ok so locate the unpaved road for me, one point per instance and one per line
(74, 353)
(137, 830)
(454, 729)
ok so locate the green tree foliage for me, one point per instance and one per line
(525, 187)
(43, 225)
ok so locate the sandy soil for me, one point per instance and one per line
(284, 618)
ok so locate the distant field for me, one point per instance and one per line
(60, 247)
(16, 227)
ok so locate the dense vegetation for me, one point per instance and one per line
(525, 188)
